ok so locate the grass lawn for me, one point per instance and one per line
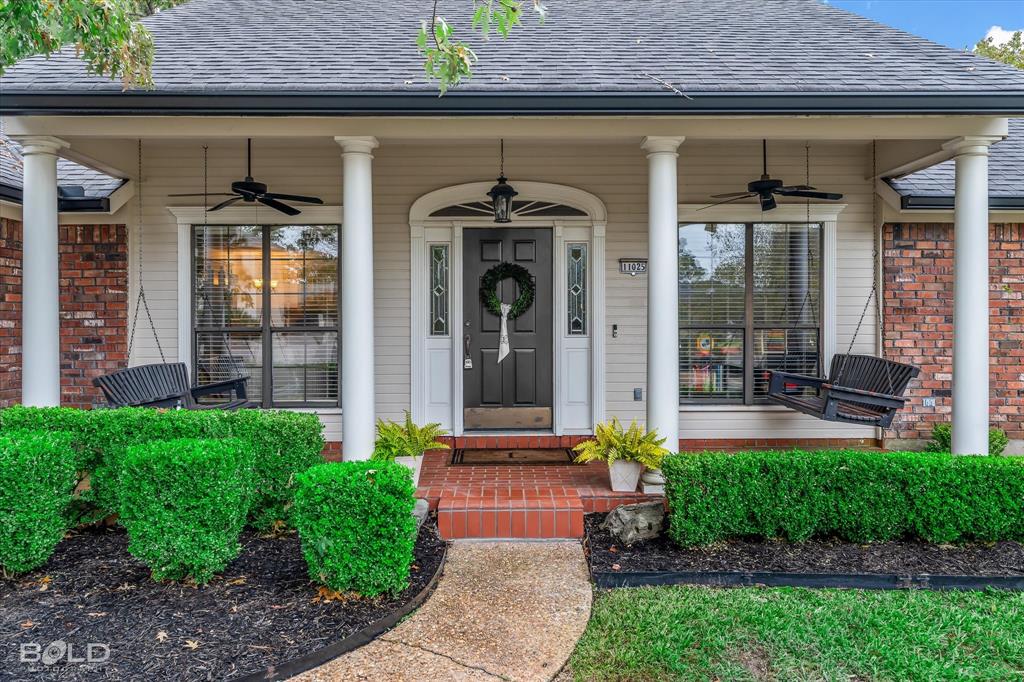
(696, 633)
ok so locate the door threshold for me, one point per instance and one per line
(505, 432)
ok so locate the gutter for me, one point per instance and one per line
(946, 202)
(64, 204)
(347, 103)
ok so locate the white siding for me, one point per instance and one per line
(402, 172)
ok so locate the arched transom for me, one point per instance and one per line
(520, 209)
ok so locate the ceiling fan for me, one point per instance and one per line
(250, 191)
(766, 188)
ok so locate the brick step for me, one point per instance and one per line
(510, 513)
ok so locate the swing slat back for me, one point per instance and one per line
(868, 373)
(147, 385)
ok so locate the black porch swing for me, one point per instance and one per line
(859, 389)
(165, 384)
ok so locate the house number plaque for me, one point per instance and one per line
(633, 266)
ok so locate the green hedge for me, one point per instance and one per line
(856, 496)
(37, 481)
(942, 439)
(184, 503)
(356, 525)
(285, 443)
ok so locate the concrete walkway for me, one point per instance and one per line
(501, 611)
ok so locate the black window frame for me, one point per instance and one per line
(749, 328)
(266, 330)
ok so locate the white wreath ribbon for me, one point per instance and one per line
(503, 345)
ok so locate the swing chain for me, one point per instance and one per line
(140, 301)
(876, 227)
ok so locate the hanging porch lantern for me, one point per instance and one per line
(502, 193)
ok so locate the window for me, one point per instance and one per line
(439, 290)
(749, 301)
(576, 292)
(265, 304)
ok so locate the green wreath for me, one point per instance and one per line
(489, 288)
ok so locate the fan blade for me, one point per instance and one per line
(796, 188)
(768, 202)
(811, 195)
(293, 197)
(204, 194)
(225, 204)
(283, 208)
(730, 195)
(728, 201)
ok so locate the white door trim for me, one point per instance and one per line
(425, 349)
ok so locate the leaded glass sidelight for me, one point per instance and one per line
(576, 269)
(439, 290)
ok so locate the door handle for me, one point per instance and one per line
(467, 358)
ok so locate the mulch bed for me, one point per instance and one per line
(814, 556)
(262, 611)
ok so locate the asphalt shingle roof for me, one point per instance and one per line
(1005, 171)
(700, 46)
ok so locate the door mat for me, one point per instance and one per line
(511, 456)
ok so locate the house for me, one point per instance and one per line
(918, 269)
(615, 128)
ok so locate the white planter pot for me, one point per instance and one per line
(624, 476)
(414, 464)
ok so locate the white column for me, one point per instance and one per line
(970, 297)
(358, 395)
(663, 288)
(40, 302)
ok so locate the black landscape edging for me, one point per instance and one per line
(862, 581)
(352, 642)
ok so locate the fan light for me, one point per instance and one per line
(502, 193)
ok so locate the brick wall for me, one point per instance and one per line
(93, 309)
(10, 311)
(918, 271)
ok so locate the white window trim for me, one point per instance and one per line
(187, 216)
(425, 230)
(827, 215)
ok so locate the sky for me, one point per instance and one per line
(956, 23)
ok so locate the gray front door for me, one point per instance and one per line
(517, 393)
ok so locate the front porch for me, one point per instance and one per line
(633, 347)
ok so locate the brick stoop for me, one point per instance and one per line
(510, 513)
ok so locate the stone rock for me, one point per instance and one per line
(420, 511)
(629, 523)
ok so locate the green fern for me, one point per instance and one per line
(406, 440)
(611, 443)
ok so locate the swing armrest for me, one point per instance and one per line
(856, 395)
(779, 381)
(235, 385)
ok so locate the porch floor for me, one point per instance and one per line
(588, 482)
(515, 501)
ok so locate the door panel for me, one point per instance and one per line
(517, 393)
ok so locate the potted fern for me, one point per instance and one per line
(626, 451)
(406, 443)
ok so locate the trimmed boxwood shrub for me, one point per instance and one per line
(942, 439)
(37, 480)
(184, 503)
(852, 495)
(285, 443)
(356, 525)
